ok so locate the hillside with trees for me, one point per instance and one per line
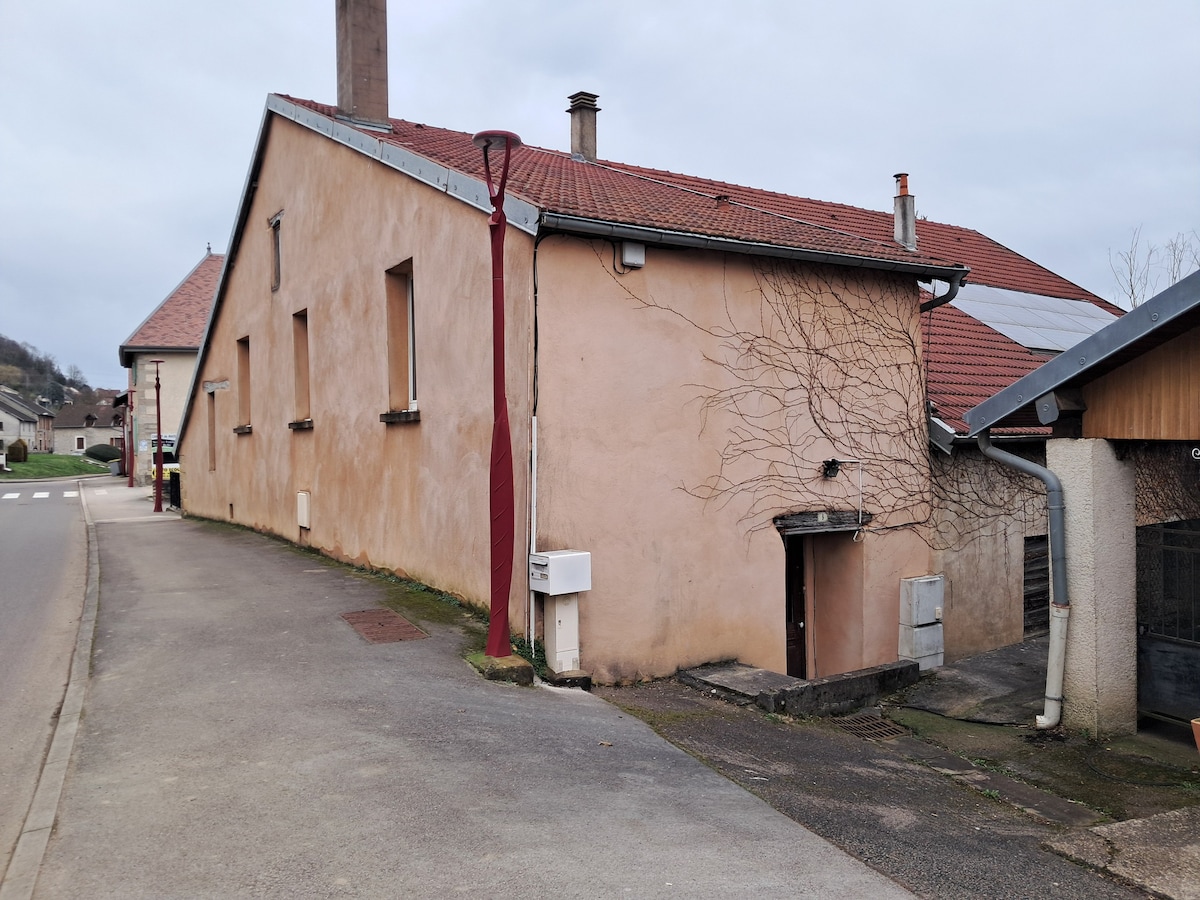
(36, 375)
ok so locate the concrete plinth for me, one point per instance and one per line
(1100, 678)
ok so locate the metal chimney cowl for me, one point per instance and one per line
(583, 111)
(905, 214)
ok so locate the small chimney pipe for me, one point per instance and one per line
(583, 111)
(905, 214)
(362, 70)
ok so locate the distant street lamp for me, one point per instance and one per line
(158, 463)
(130, 459)
(502, 505)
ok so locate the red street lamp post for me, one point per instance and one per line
(502, 505)
(129, 449)
(158, 463)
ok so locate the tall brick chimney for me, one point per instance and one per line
(583, 111)
(362, 72)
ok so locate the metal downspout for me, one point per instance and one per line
(1060, 603)
(954, 283)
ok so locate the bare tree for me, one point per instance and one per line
(1132, 270)
(1181, 255)
(1142, 267)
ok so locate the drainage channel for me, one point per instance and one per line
(871, 726)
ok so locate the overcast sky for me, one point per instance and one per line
(1052, 127)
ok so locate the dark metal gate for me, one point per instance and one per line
(1168, 612)
(1037, 585)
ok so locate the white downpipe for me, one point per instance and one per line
(1060, 602)
(1054, 668)
(532, 518)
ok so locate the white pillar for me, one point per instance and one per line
(1100, 679)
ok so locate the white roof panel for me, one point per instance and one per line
(1034, 321)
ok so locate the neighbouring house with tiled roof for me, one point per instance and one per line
(172, 333)
(718, 392)
(22, 420)
(81, 425)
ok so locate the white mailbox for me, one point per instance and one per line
(557, 572)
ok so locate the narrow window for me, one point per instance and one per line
(300, 364)
(243, 370)
(401, 340)
(79, 443)
(212, 431)
(276, 268)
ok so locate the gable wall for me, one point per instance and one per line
(174, 377)
(407, 497)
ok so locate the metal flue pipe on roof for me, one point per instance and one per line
(1060, 603)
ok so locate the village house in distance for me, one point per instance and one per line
(718, 392)
(171, 333)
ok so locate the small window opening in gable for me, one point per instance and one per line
(300, 369)
(243, 385)
(212, 431)
(401, 345)
(276, 267)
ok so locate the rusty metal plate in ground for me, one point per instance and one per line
(382, 626)
(871, 727)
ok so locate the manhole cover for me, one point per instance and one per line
(382, 626)
(871, 727)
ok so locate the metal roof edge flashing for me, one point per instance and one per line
(521, 214)
(663, 237)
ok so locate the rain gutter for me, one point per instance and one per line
(953, 275)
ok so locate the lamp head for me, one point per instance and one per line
(487, 139)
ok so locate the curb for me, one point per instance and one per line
(22, 873)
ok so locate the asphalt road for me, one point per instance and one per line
(240, 739)
(43, 563)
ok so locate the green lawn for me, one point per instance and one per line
(53, 465)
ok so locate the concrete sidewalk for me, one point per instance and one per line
(239, 739)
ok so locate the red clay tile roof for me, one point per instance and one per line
(967, 361)
(630, 195)
(179, 321)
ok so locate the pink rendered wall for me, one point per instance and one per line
(634, 464)
(627, 448)
(405, 497)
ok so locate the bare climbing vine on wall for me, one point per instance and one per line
(823, 362)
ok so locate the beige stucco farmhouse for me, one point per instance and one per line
(716, 391)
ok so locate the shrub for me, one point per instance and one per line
(102, 452)
(18, 451)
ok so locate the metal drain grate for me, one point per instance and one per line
(871, 727)
(382, 626)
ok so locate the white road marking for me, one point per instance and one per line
(70, 493)
(40, 495)
(11, 496)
